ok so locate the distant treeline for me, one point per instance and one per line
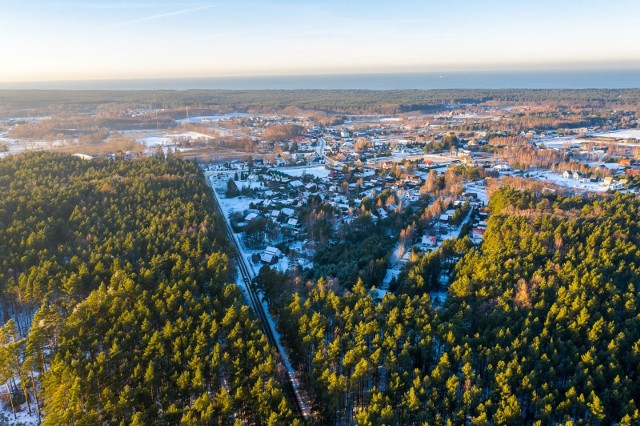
(333, 101)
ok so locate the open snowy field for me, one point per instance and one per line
(439, 158)
(168, 140)
(622, 134)
(560, 142)
(628, 135)
(234, 204)
(16, 147)
(213, 118)
(319, 171)
(480, 190)
(557, 179)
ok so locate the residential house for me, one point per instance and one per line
(250, 217)
(270, 255)
(477, 234)
(429, 241)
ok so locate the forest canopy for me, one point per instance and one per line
(541, 326)
(331, 101)
(118, 308)
(117, 298)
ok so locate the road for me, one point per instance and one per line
(322, 145)
(248, 274)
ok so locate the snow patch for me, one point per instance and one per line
(319, 171)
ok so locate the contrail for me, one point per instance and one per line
(165, 15)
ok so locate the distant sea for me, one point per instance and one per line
(564, 79)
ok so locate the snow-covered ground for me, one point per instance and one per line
(246, 259)
(557, 179)
(22, 417)
(398, 157)
(629, 135)
(213, 122)
(234, 204)
(452, 232)
(392, 272)
(622, 134)
(438, 297)
(368, 172)
(390, 275)
(303, 260)
(154, 141)
(166, 140)
(240, 204)
(306, 410)
(480, 189)
(242, 285)
(213, 118)
(439, 158)
(318, 171)
(560, 141)
(16, 147)
(395, 265)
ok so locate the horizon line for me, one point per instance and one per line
(561, 68)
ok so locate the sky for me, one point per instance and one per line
(48, 40)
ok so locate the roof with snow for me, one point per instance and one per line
(273, 251)
(250, 217)
(287, 211)
(429, 240)
(268, 258)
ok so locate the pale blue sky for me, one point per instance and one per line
(76, 39)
